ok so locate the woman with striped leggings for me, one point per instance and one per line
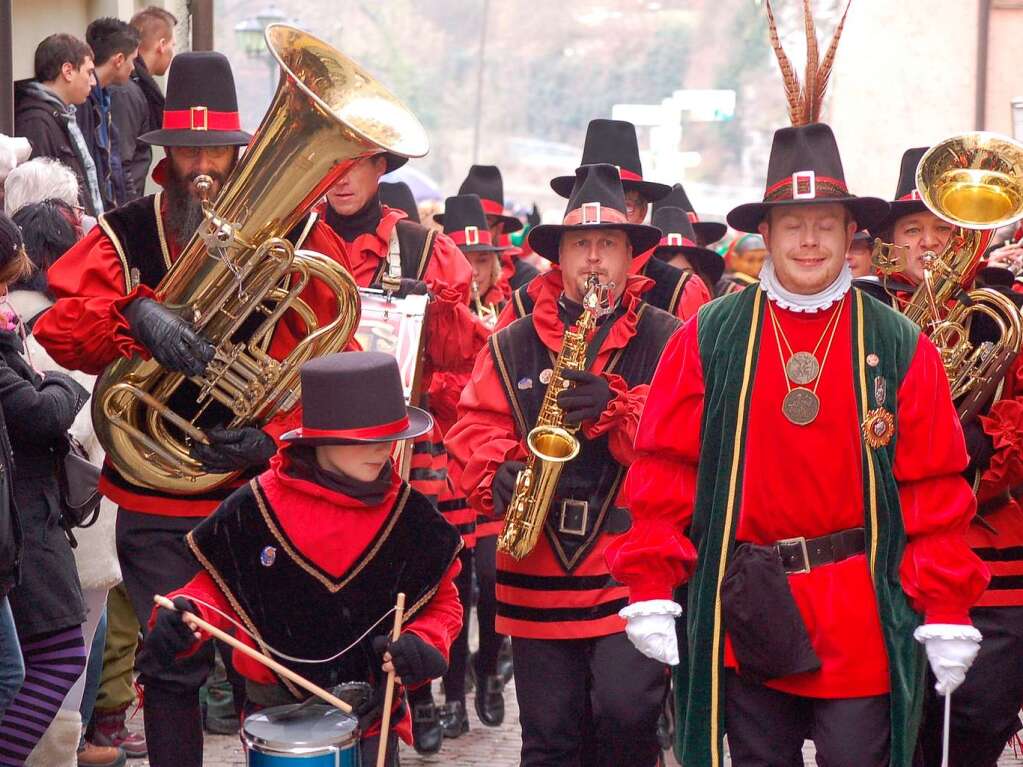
(47, 601)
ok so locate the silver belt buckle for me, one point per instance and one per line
(801, 540)
(574, 517)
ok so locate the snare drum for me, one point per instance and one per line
(313, 736)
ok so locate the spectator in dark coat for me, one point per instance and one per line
(44, 111)
(115, 44)
(137, 106)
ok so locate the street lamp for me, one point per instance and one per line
(249, 34)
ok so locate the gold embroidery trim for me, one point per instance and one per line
(125, 268)
(159, 230)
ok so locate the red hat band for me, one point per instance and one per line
(201, 119)
(676, 240)
(471, 235)
(914, 195)
(590, 213)
(369, 432)
(806, 185)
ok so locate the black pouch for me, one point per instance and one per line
(768, 635)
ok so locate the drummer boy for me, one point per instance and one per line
(312, 553)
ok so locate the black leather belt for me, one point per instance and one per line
(801, 555)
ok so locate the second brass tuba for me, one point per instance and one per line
(239, 273)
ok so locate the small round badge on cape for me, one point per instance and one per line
(545, 376)
(873, 360)
(268, 556)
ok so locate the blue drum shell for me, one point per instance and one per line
(312, 736)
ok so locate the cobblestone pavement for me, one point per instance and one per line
(492, 747)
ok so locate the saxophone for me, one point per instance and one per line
(552, 443)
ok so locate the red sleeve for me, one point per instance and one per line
(440, 620)
(484, 436)
(451, 332)
(941, 576)
(694, 295)
(1004, 424)
(84, 329)
(620, 419)
(655, 555)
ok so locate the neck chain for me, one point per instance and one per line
(801, 405)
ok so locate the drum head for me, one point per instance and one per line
(288, 729)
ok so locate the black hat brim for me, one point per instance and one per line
(867, 211)
(394, 161)
(420, 422)
(546, 238)
(705, 261)
(164, 137)
(650, 190)
(509, 224)
(710, 231)
(898, 209)
(484, 248)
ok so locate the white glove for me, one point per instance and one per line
(650, 626)
(951, 649)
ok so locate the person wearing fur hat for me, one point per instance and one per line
(315, 540)
(985, 709)
(105, 310)
(585, 695)
(799, 467)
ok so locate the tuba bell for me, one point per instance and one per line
(975, 182)
(240, 273)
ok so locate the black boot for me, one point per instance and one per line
(173, 727)
(427, 735)
(489, 700)
(453, 719)
(504, 661)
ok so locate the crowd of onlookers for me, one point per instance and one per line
(68, 635)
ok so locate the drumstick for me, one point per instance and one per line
(385, 721)
(195, 622)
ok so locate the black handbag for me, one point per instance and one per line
(78, 478)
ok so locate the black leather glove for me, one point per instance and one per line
(978, 445)
(503, 485)
(171, 340)
(234, 449)
(404, 286)
(414, 660)
(533, 218)
(587, 399)
(169, 636)
(371, 708)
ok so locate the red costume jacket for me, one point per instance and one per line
(85, 330)
(806, 481)
(332, 530)
(486, 435)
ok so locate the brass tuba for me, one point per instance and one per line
(975, 182)
(239, 273)
(552, 443)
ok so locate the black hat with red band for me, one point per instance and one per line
(201, 108)
(355, 398)
(678, 236)
(466, 224)
(706, 231)
(805, 168)
(597, 202)
(907, 198)
(614, 142)
(485, 182)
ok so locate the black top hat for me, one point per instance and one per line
(466, 224)
(355, 397)
(613, 142)
(597, 202)
(678, 236)
(706, 231)
(805, 168)
(485, 182)
(907, 199)
(398, 195)
(201, 107)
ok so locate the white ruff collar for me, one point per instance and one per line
(796, 302)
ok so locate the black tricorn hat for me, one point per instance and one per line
(678, 236)
(597, 202)
(466, 224)
(907, 199)
(396, 194)
(805, 168)
(613, 142)
(706, 231)
(201, 107)
(485, 182)
(355, 397)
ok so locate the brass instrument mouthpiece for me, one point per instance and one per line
(203, 185)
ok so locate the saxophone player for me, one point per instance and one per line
(985, 708)
(105, 310)
(585, 695)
